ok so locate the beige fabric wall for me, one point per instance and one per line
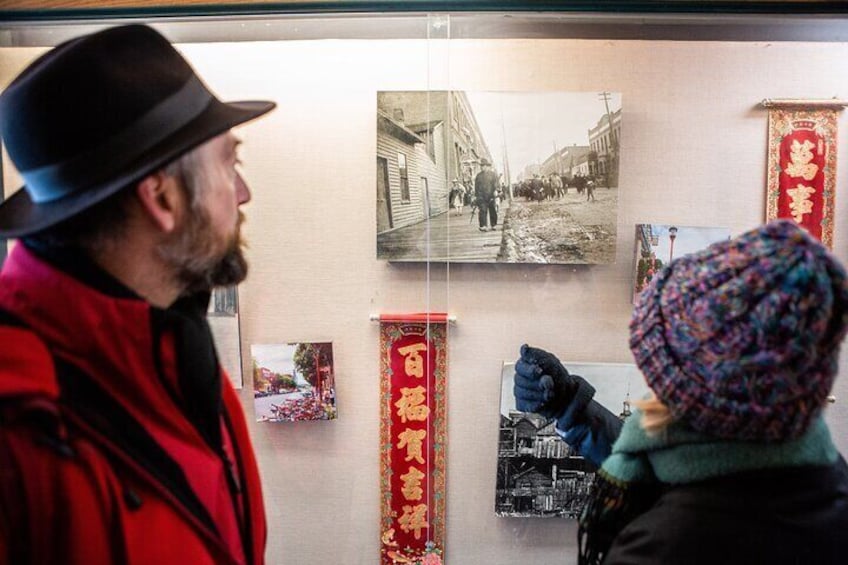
(693, 153)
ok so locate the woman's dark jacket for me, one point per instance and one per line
(777, 517)
(791, 516)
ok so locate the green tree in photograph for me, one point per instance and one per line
(648, 266)
(283, 382)
(260, 383)
(305, 356)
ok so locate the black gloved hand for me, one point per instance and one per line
(541, 383)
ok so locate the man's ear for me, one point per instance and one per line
(161, 198)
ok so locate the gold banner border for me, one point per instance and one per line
(390, 332)
(780, 124)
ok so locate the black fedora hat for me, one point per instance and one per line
(98, 113)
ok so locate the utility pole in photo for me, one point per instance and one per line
(612, 162)
(506, 171)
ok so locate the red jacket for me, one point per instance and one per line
(105, 456)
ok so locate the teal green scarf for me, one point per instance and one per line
(631, 478)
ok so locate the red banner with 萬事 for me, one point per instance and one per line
(802, 168)
(412, 436)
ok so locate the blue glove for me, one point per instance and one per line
(542, 385)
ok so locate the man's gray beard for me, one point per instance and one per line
(197, 267)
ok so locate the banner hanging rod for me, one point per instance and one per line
(434, 317)
(809, 102)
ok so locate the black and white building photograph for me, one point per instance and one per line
(223, 318)
(538, 474)
(506, 177)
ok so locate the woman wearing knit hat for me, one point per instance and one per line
(730, 461)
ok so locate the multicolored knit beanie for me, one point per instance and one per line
(741, 340)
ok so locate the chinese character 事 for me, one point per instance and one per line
(801, 203)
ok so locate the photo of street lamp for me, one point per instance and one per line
(651, 246)
(672, 235)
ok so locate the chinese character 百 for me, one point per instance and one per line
(413, 363)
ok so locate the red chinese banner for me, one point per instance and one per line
(413, 366)
(802, 168)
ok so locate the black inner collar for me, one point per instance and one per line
(76, 263)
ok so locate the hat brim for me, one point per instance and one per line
(20, 216)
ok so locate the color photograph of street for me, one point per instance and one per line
(293, 382)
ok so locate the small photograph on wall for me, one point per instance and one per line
(294, 382)
(657, 244)
(498, 177)
(538, 474)
(224, 323)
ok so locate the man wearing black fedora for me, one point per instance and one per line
(121, 440)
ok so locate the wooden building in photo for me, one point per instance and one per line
(425, 139)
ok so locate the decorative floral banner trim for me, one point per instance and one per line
(413, 365)
(802, 168)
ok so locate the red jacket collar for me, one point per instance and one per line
(26, 368)
(104, 335)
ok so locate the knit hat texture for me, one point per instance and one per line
(741, 340)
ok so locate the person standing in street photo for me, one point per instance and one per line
(590, 189)
(457, 196)
(485, 190)
(122, 439)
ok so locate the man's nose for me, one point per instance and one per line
(242, 190)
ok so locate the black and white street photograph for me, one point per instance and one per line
(539, 475)
(222, 315)
(508, 177)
